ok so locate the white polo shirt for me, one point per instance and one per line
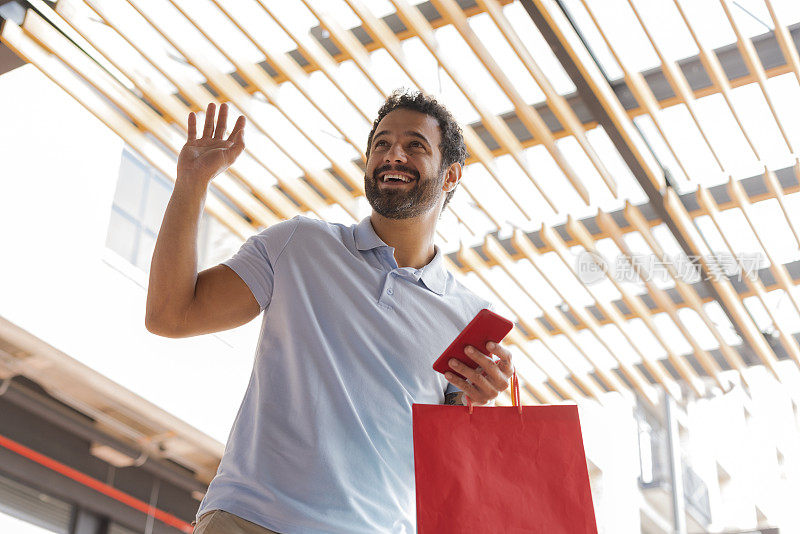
(322, 442)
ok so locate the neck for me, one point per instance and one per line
(412, 239)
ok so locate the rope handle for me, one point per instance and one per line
(515, 400)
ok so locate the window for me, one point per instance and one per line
(139, 203)
(140, 200)
(25, 510)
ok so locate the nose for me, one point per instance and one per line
(395, 154)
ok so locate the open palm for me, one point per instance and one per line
(211, 154)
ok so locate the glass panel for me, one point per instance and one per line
(510, 290)
(257, 142)
(455, 52)
(624, 32)
(425, 67)
(661, 149)
(751, 16)
(538, 47)
(664, 23)
(627, 185)
(144, 252)
(180, 30)
(158, 193)
(457, 103)
(759, 314)
(773, 230)
(337, 107)
(709, 23)
(592, 346)
(130, 185)
(485, 188)
(788, 11)
(339, 11)
(785, 93)
(724, 326)
(527, 370)
(592, 35)
(690, 146)
(699, 330)
(533, 283)
(545, 359)
(122, 235)
(672, 335)
(217, 242)
(760, 123)
(614, 339)
(782, 308)
(505, 57)
(568, 354)
(213, 21)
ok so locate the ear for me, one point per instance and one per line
(452, 177)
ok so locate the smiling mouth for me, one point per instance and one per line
(395, 178)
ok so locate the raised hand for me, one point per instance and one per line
(202, 159)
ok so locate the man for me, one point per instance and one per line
(353, 319)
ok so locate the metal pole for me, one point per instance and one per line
(675, 466)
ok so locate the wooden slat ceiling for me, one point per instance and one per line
(566, 161)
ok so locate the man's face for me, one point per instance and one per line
(403, 177)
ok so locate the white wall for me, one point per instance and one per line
(58, 171)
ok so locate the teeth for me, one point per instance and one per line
(387, 177)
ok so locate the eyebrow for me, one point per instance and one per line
(412, 133)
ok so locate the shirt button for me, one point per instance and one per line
(390, 291)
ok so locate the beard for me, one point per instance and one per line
(396, 203)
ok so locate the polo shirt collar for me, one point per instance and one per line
(433, 275)
(366, 238)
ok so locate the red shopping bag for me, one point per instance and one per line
(499, 470)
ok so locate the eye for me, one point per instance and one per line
(417, 144)
(380, 142)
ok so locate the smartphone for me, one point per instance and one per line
(484, 327)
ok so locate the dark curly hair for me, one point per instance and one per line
(451, 148)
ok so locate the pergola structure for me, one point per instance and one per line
(576, 173)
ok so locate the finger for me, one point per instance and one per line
(237, 134)
(208, 127)
(222, 122)
(236, 148)
(192, 135)
(490, 383)
(504, 354)
(496, 376)
(463, 369)
(475, 395)
(477, 356)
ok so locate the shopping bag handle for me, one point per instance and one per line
(514, 394)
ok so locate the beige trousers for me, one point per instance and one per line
(222, 522)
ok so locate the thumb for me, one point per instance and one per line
(238, 138)
(235, 148)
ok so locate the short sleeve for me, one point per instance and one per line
(451, 389)
(256, 259)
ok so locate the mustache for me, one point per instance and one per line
(400, 168)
